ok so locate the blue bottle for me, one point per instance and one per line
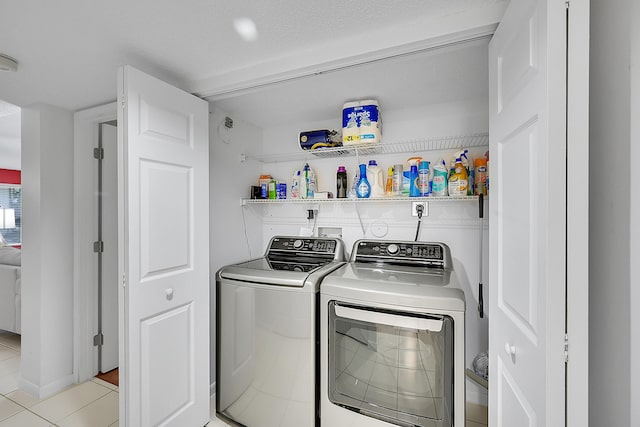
(363, 190)
(414, 190)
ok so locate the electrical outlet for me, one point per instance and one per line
(414, 208)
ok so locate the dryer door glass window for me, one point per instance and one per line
(394, 366)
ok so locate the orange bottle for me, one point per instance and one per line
(481, 176)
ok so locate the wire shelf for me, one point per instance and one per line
(410, 146)
(368, 200)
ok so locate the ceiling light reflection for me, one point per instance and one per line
(246, 28)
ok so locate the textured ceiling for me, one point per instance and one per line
(69, 50)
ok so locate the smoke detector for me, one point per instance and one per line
(7, 63)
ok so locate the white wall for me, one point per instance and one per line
(634, 224)
(236, 235)
(47, 254)
(610, 183)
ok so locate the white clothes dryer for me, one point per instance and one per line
(392, 324)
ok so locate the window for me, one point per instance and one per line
(11, 213)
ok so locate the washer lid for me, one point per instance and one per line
(402, 286)
(263, 271)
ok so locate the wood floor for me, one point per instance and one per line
(110, 377)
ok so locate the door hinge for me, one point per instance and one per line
(98, 153)
(566, 348)
(98, 339)
(567, 3)
(98, 246)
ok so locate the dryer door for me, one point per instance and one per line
(394, 366)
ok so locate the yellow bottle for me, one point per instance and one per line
(388, 189)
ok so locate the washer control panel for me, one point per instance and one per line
(419, 253)
(294, 247)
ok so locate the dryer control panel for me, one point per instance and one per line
(293, 247)
(430, 254)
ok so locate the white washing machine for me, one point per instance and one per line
(392, 338)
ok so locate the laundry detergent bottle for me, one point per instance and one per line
(363, 190)
(375, 176)
(459, 180)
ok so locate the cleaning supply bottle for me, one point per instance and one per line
(311, 186)
(375, 178)
(398, 180)
(388, 188)
(488, 187)
(459, 180)
(439, 185)
(363, 189)
(271, 189)
(304, 182)
(341, 182)
(472, 179)
(353, 192)
(468, 165)
(295, 185)
(481, 176)
(423, 178)
(414, 191)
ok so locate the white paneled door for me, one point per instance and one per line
(163, 212)
(528, 215)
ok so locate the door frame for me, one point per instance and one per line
(577, 317)
(85, 270)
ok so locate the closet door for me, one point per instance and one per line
(163, 175)
(528, 213)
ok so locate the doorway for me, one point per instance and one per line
(95, 128)
(106, 250)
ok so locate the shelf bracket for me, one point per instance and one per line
(243, 158)
(360, 220)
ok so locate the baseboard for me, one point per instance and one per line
(477, 413)
(477, 398)
(47, 390)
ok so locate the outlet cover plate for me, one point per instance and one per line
(425, 208)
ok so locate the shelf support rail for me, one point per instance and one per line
(360, 220)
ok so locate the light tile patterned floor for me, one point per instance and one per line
(91, 404)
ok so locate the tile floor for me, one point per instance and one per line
(91, 404)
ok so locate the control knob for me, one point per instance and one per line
(393, 249)
(297, 244)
